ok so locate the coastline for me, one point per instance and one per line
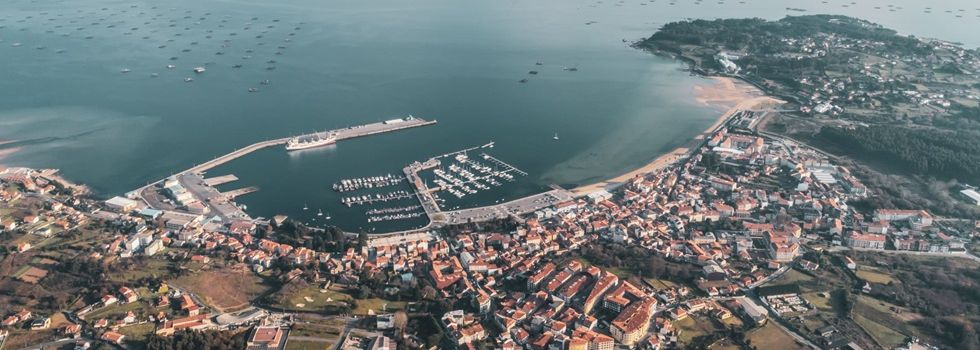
(728, 93)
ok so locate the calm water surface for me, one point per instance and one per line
(67, 103)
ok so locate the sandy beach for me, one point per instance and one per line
(728, 93)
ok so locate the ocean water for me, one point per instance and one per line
(68, 104)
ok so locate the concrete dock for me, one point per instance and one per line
(220, 180)
(149, 193)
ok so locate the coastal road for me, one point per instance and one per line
(515, 207)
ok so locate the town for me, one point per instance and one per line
(748, 241)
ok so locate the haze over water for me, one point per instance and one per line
(331, 64)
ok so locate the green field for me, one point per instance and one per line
(693, 327)
(137, 333)
(365, 306)
(118, 311)
(874, 276)
(791, 277)
(885, 336)
(319, 299)
(886, 323)
(660, 283)
(771, 336)
(308, 345)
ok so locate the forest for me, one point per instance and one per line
(952, 154)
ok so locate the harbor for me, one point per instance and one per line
(189, 192)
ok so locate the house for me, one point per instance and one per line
(113, 337)
(128, 295)
(72, 329)
(40, 323)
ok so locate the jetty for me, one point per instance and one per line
(149, 193)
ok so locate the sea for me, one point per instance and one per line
(104, 90)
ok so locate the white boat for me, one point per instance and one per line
(306, 142)
(555, 137)
(199, 70)
(319, 213)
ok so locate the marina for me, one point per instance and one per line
(348, 185)
(460, 175)
(376, 198)
(154, 194)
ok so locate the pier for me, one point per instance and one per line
(239, 192)
(220, 180)
(503, 164)
(150, 195)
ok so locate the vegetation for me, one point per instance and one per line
(940, 153)
(634, 260)
(913, 117)
(945, 291)
(190, 340)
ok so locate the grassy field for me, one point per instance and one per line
(693, 327)
(317, 334)
(137, 334)
(660, 283)
(312, 298)
(771, 336)
(223, 289)
(366, 306)
(874, 276)
(154, 267)
(308, 345)
(886, 323)
(619, 272)
(118, 311)
(791, 277)
(885, 336)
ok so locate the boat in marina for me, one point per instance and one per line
(310, 141)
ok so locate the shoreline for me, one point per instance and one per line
(729, 93)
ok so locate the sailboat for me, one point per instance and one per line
(305, 207)
(555, 137)
(319, 212)
(327, 217)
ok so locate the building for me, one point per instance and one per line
(113, 337)
(629, 327)
(971, 195)
(196, 322)
(267, 338)
(121, 204)
(865, 240)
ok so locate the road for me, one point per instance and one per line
(964, 255)
(515, 207)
